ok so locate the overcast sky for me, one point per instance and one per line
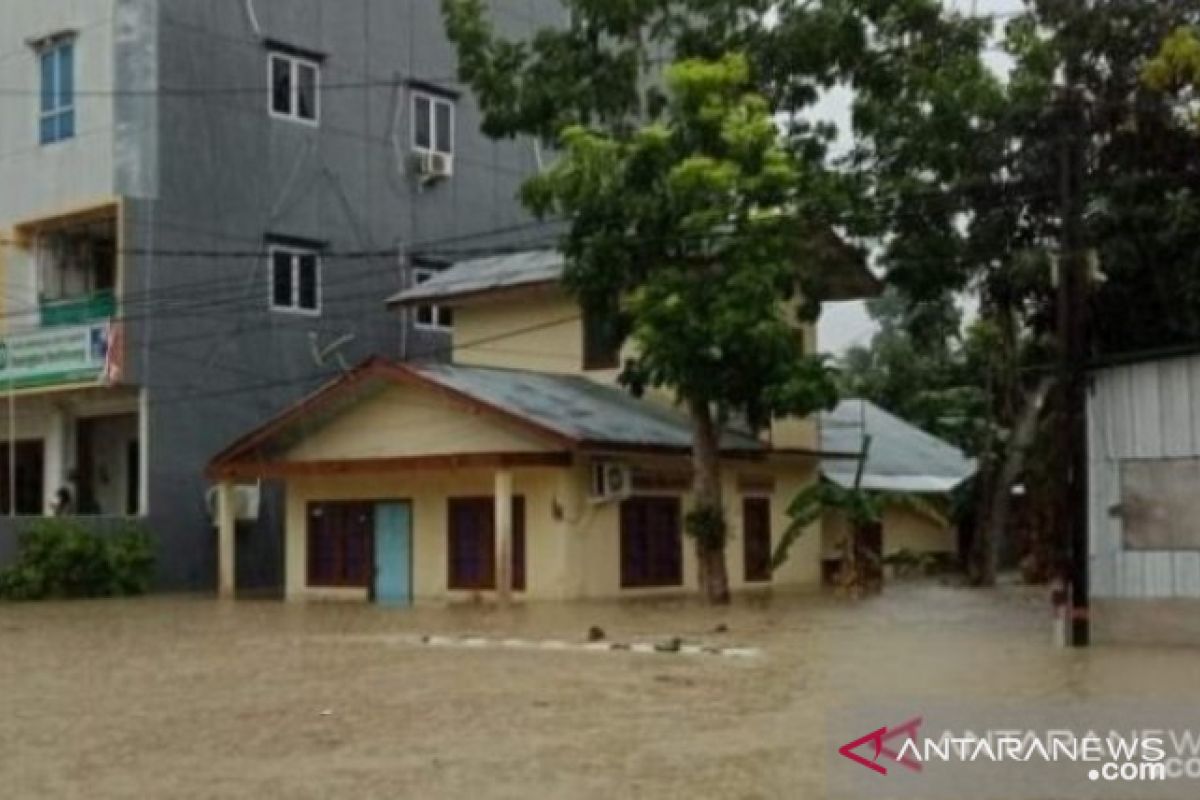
(845, 325)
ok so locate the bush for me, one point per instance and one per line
(62, 558)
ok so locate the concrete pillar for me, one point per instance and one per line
(55, 465)
(503, 523)
(570, 503)
(226, 540)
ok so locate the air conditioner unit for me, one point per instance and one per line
(246, 500)
(432, 166)
(611, 480)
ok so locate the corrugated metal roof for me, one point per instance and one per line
(577, 407)
(842, 275)
(902, 457)
(486, 275)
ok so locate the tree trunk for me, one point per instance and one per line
(999, 498)
(706, 494)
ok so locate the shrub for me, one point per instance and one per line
(62, 558)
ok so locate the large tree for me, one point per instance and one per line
(691, 217)
(693, 230)
(967, 173)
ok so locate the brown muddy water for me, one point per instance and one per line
(190, 698)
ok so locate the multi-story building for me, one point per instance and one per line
(203, 204)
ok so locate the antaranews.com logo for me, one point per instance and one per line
(1072, 756)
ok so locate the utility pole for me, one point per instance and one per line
(1074, 349)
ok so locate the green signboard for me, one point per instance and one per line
(54, 356)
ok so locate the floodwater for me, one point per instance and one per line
(190, 698)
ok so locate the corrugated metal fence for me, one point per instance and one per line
(1148, 411)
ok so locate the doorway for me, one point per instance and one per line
(393, 555)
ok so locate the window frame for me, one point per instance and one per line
(602, 342)
(294, 62)
(55, 50)
(342, 580)
(295, 252)
(650, 575)
(756, 571)
(487, 583)
(434, 100)
(421, 274)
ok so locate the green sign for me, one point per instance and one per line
(54, 356)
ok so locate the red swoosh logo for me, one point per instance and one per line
(879, 738)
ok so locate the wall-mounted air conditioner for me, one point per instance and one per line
(611, 481)
(246, 502)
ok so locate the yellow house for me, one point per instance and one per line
(902, 461)
(517, 468)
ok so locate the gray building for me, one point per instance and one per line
(203, 206)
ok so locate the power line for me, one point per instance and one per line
(427, 354)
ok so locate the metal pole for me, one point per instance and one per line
(12, 441)
(1073, 344)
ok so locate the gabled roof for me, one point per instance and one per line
(570, 411)
(844, 278)
(901, 458)
(586, 412)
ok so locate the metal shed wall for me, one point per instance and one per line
(1147, 410)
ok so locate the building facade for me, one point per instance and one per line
(202, 205)
(520, 467)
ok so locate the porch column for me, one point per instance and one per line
(55, 464)
(226, 524)
(504, 534)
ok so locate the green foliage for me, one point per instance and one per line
(1177, 63)
(62, 558)
(859, 506)
(695, 221)
(921, 367)
(965, 168)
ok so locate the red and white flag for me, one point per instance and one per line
(114, 356)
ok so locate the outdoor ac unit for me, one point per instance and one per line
(246, 500)
(611, 480)
(433, 166)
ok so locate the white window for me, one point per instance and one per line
(56, 122)
(433, 124)
(431, 317)
(295, 280)
(295, 88)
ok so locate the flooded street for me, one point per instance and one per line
(188, 698)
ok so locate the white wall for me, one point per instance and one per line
(1149, 410)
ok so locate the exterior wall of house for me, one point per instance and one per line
(405, 421)
(1144, 417)
(903, 529)
(428, 494)
(548, 338)
(572, 546)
